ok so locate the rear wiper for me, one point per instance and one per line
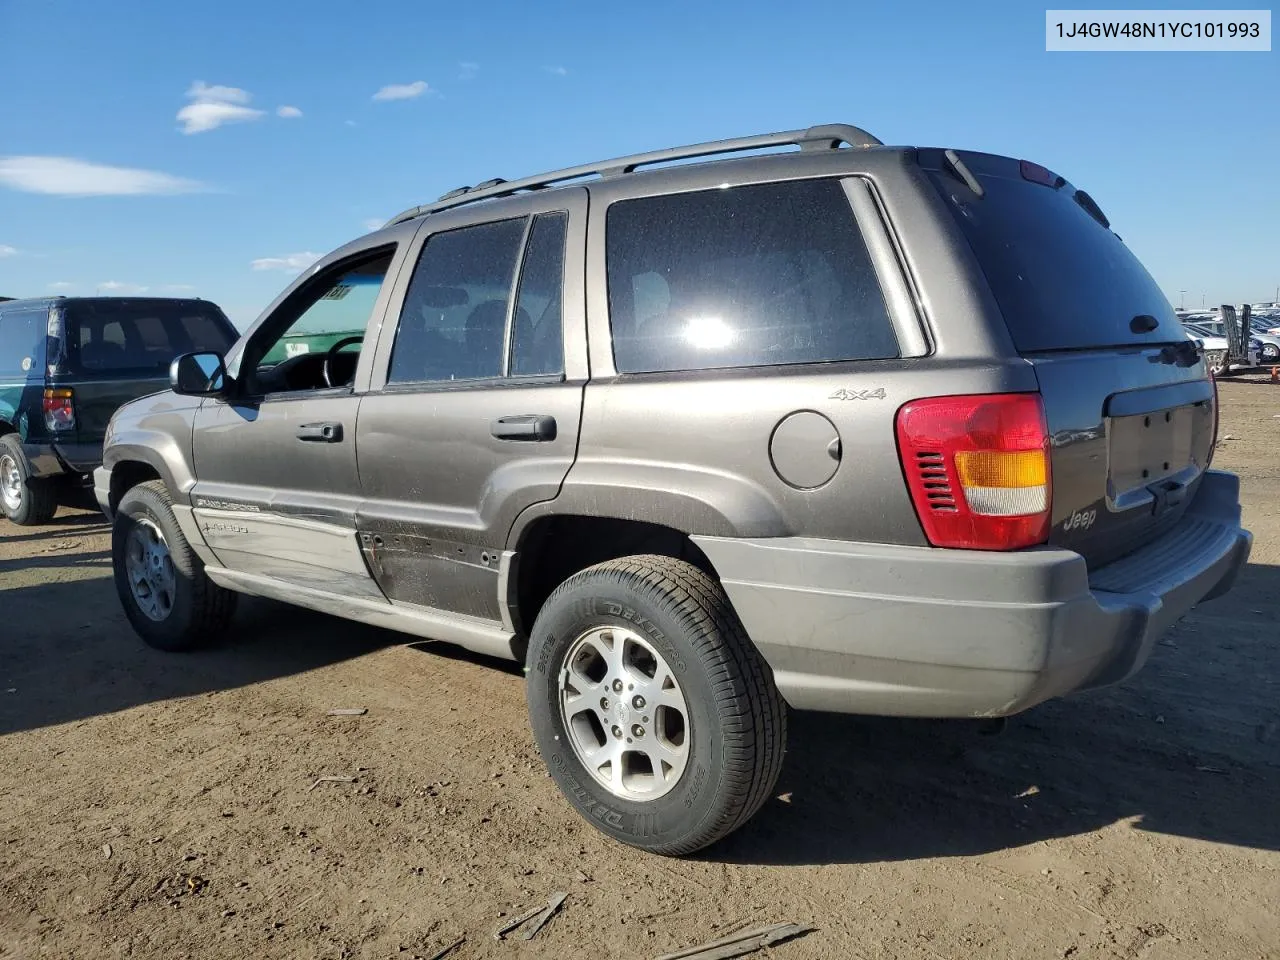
(963, 172)
(1091, 207)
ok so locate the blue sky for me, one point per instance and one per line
(1180, 149)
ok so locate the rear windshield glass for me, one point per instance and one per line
(1061, 279)
(22, 343)
(106, 336)
(749, 276)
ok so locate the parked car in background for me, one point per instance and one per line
(1216, 348)
(1268, 323)
(1268, 345)
(879, 429)
(66, 364)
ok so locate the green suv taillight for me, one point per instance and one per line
(59, 409)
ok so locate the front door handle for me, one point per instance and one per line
(320, 432)
(538, 427)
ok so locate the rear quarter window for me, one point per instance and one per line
(745, 276)
(23, 343)
(1062, 280)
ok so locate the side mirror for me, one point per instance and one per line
(198, 375)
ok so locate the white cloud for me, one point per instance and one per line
(7, 251)
(557, 71)
(350, 123)
(62, 285)
(203, 91)
(203, 116)
(123, 289)
(288, 112)
(468, 70)
(214, 106)
(69, 177)
(294, 262)
(371, 224)
(403, 91)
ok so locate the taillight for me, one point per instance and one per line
(978, 469)
(59, 409)
(1213, 443)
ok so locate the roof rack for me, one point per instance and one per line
(824, 137)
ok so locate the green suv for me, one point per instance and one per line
(66, 364)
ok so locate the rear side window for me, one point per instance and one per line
(142, 336)
(22, 343)
(749, 276)
(1062, 280)
(454, 319)
(537, 348)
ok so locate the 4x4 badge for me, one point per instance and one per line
(843, 394)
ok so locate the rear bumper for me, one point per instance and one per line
(917, 631)
(55, 459)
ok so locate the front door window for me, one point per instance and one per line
(314, 342)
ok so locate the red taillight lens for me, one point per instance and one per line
(59, 409)
(1213, 444)
(978, 469)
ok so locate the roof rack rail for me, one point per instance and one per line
(823, 137)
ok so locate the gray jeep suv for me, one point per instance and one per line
(883, 430)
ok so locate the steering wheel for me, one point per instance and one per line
(333, 352)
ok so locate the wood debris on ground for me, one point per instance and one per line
(537, 918)
(320, 780)
(740, 944)
(446, 950)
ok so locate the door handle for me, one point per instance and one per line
(321, 432)
(538, 427)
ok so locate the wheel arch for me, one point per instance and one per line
(551, 548)
(127, 474)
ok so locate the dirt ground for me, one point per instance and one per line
(157, 805)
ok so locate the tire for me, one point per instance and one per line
(178, 608)
(731, 739)
(1216, 361)
(24, 500)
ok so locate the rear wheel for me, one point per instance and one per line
(171, 602)
(1216, 361)
(655, 715)
(24, 499)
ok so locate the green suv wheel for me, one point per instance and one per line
(24, 500)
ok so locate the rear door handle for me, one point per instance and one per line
(537, 427)
(320, 432)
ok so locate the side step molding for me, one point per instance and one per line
(479, 636)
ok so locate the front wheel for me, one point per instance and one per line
(1216, 361)
(656, 716)
(171, 602)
